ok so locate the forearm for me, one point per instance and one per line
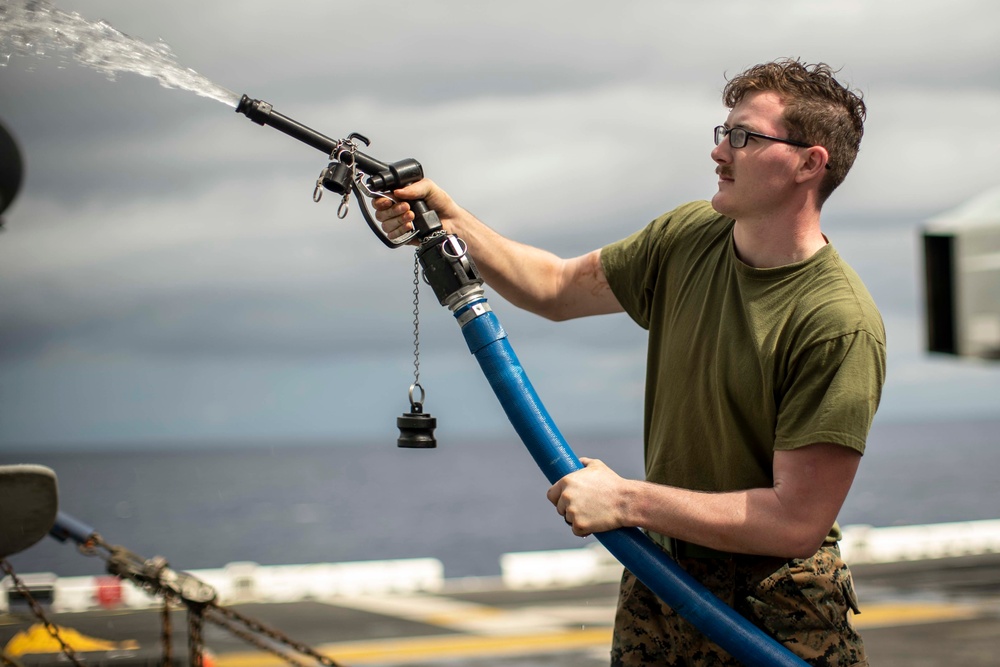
(789, 519)
(528, 277)
(753, 521)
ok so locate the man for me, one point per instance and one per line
(765, 367)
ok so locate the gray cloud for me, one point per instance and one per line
(158, 234)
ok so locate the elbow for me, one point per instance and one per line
(556, 315)
(803, 543)
(550, 308)
(543, 309)
(806, 550)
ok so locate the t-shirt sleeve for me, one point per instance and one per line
(833, 393)
(627, 270)
(632, 266)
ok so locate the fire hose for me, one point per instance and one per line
(457, 284)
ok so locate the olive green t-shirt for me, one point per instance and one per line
(743, 361)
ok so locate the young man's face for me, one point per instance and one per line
(757, 178)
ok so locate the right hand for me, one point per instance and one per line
(397, 218)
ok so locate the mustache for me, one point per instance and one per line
(724, 171)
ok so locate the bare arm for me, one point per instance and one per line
(528, 277)
(789, 519)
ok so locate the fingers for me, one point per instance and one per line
(565, 509)
(554, 492)
(575, 522)
(396, 217)
(582, 498)
(575, 525)
(422, 189)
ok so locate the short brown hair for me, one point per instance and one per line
(818, 110)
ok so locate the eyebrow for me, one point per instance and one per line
(743, 126)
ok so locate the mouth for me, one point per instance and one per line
(725, 175)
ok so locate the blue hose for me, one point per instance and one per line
(720, 623)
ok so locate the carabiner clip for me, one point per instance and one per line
(318, 190)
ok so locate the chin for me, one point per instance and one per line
(719, 204)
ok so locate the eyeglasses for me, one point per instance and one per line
(739, 136)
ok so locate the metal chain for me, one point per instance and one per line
(276, 635)
(166, 634)
(196, 645)
(36, 608)
(197, 614)
(416, 322)
(256, 641)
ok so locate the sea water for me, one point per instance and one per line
(465, 503)
(37, 29)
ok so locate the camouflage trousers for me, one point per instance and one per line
(802, 603)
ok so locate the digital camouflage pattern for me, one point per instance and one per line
(804, 603)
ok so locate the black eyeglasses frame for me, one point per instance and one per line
(721, 131)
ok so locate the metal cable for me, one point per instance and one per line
(36, 608)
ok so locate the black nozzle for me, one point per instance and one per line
(263, 113)
(256, 110)
(383, 177)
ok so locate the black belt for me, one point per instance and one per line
(681, 549)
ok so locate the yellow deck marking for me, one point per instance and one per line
(885, 614)
(480, 619)
(459, 645)
(438, 647)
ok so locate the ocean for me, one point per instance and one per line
(465, 503)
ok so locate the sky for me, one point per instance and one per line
(165, 275)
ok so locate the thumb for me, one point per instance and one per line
(426, 189)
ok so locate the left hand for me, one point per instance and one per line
(591, 500)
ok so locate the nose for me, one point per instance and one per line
(722, 153)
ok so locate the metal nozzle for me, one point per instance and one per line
(256, 110)
(263, 113)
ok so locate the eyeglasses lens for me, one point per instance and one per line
(737, 136)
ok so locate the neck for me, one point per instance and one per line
(778, 239)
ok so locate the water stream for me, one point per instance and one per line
(35, 28)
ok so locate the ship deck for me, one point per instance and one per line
(917, 613)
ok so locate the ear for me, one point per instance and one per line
(814, 163)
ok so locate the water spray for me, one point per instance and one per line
(36, 28)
